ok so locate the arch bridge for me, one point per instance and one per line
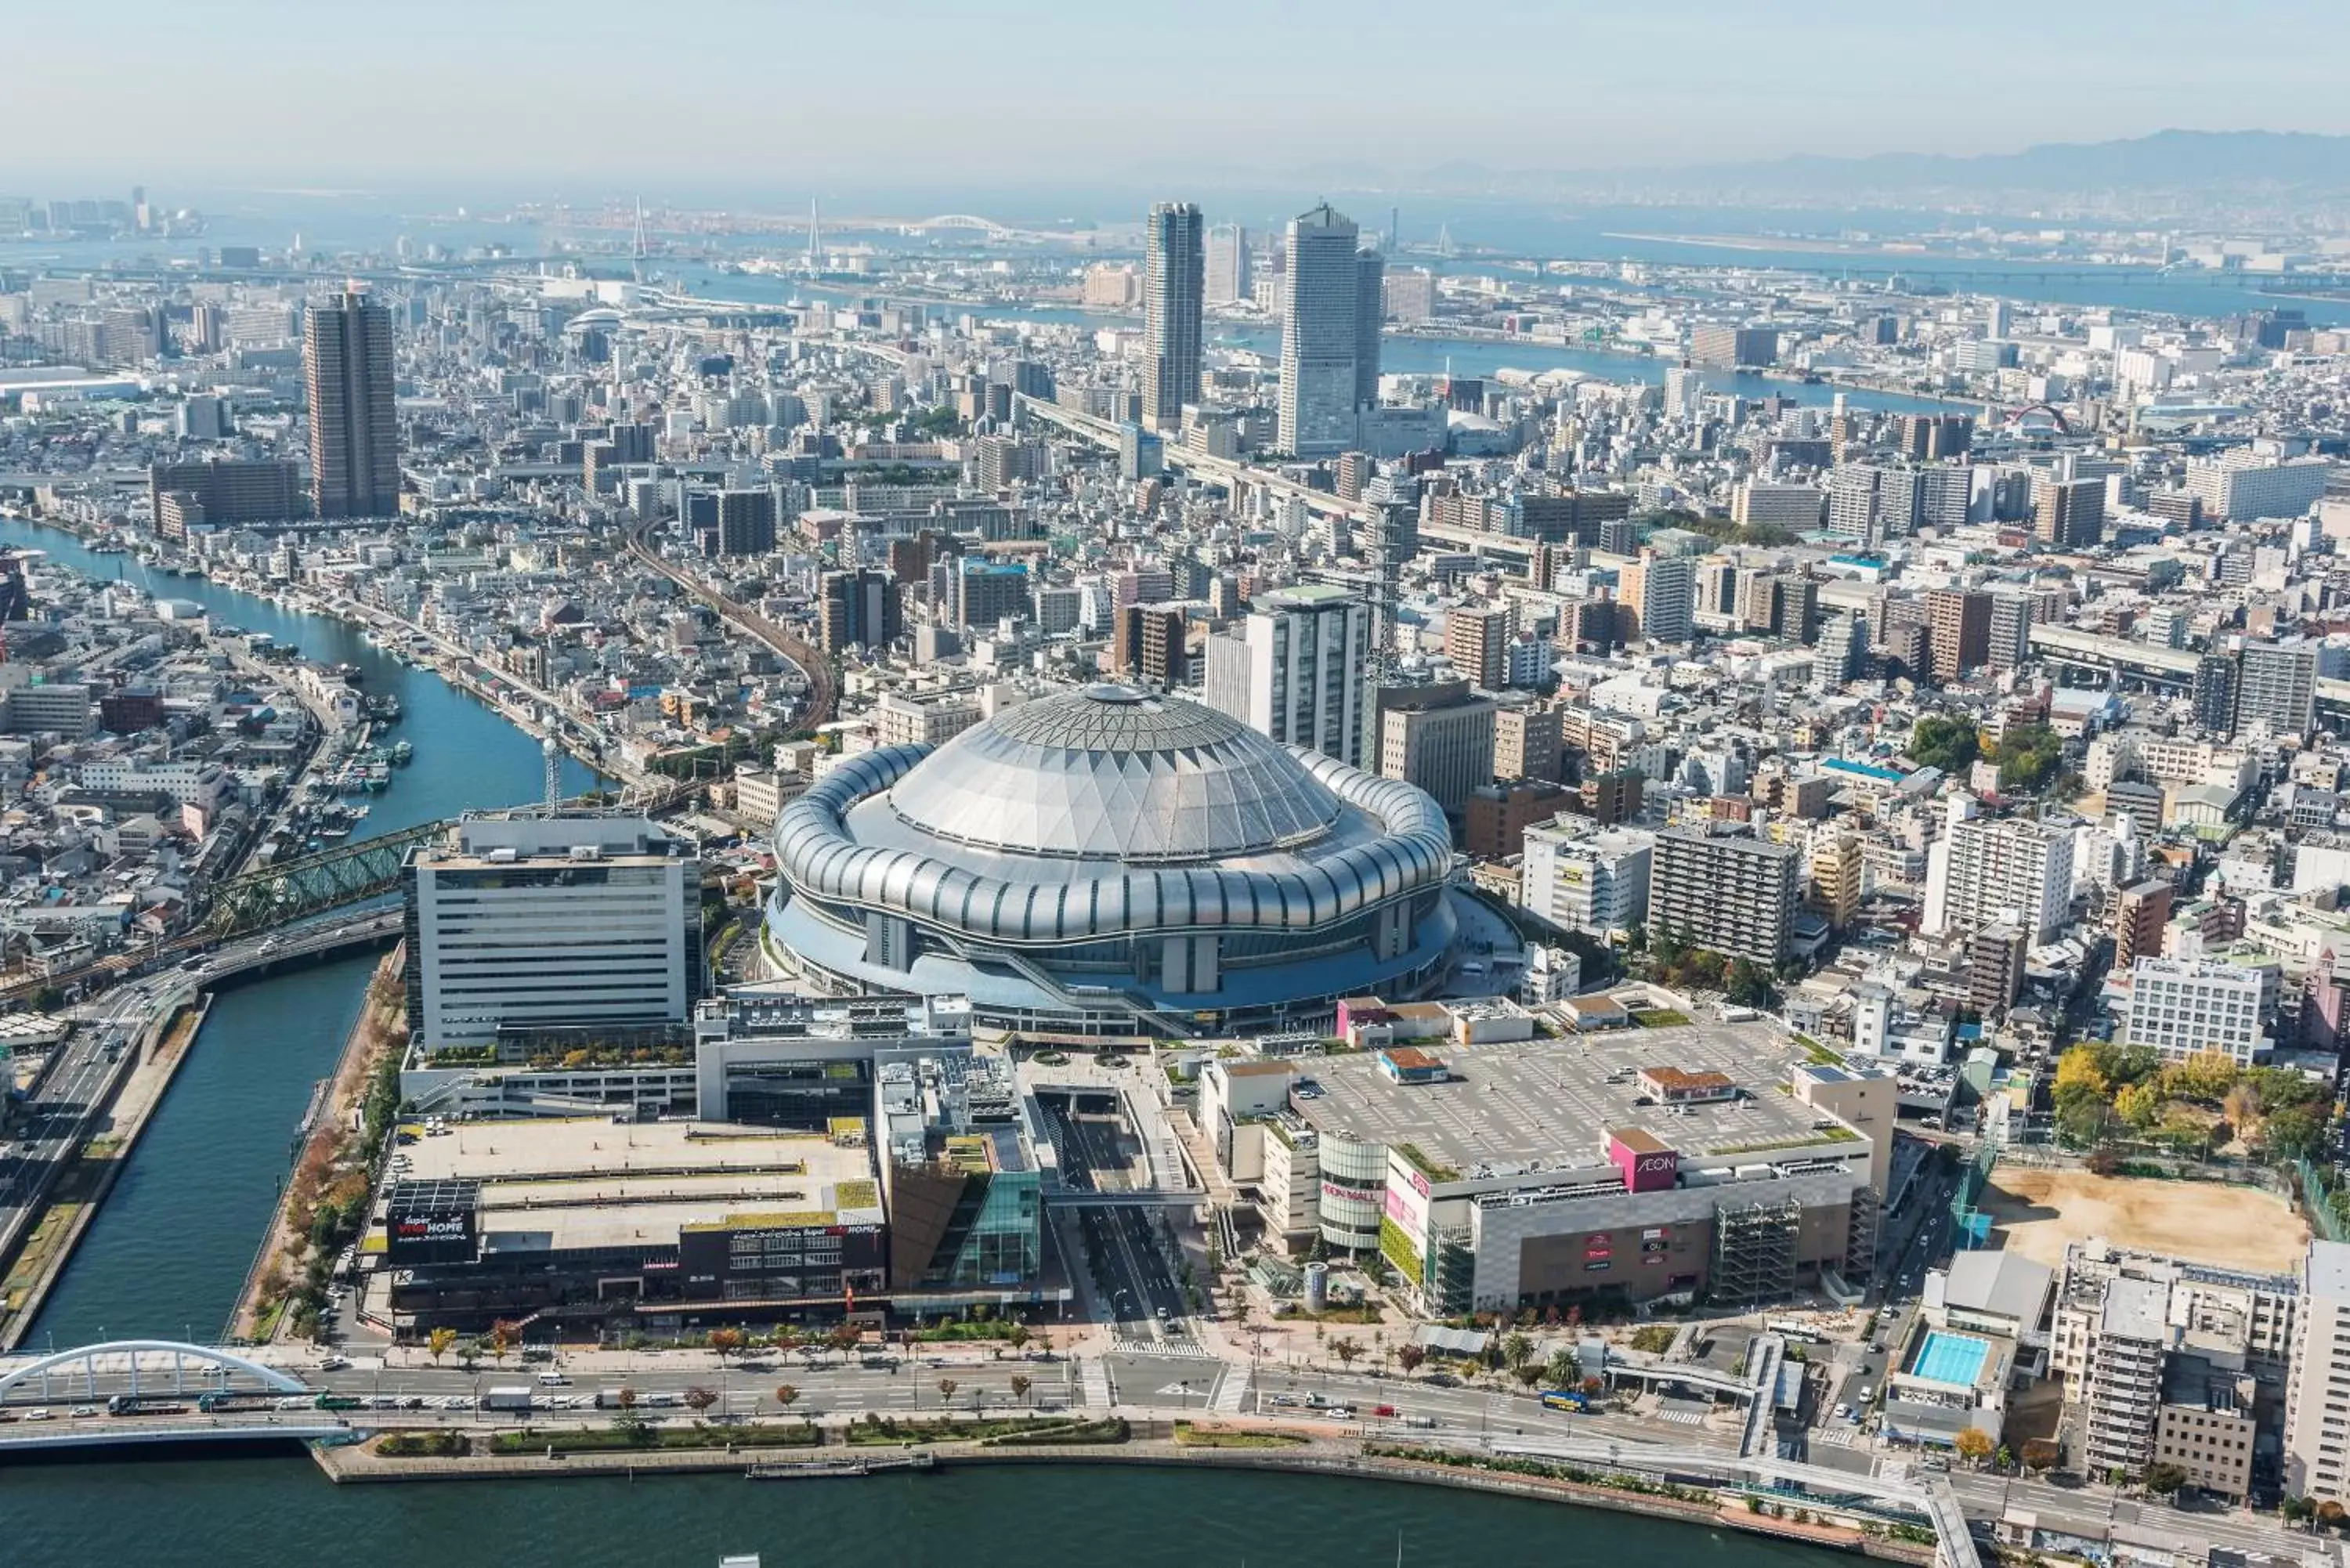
(987, 226)
(119, 1363)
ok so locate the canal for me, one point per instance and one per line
(168, 1253)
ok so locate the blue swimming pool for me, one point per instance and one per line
(1950, 1358)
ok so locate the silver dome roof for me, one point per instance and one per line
(1117, 773)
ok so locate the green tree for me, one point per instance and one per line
(2291, 1134)
(2028, 757)
(1948, 744)
(2164, 1479)
(1562, 1371)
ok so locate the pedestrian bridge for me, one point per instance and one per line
(109, 1432)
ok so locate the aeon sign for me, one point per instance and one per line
(1648, 1165)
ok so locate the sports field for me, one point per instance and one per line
(2040, 1212)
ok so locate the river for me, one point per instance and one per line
(169, 1252)
(200, 1513)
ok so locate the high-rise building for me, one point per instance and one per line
(2214, 694)
(1724, 889)
(1227, 279)
(1370, 312)
(222, 491)
(1957, 623)
(1979, 870)
(1526, 742)
(1477, 641)
(747, 523)
(2276, 684)
(1659, 594)
(1298, 671)
(864, 608)
(1146, 646)
(2139, 917)
(2008, 639)
(1713, 344)
(2068, 514)
(1439, 736)
(1321, 335)
(545, 924)
(986, 592)
(1582, 878)
(347, 372)
(1173, 291)
(1842, 650)
(1928, 437)
(1834, 893)
(2317, 1392)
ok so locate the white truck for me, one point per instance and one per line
(507, 1400)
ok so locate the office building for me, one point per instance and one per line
(1957, 628)
(347, 372)
(1979, 870)
(1476, 639)
(2317, 1394)
(1322, 336)
(2214, 694)
(1438, 737)
(533, 926)
(1299, 672)
(863, 608)
(222, 492)
(1581, 877)
(1760, 503)
(1371, 311)
(1870, 502)
(1526, 742)
(1227, 279)
(1719, 887)
(2184, 1007)
(1930, 437)
(1173, 292)
(2276, 685)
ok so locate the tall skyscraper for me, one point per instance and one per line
(1371, 311)
(1979, 870)
(1228, 273)
(1173, 284)
(354, 437)
(1323, 332)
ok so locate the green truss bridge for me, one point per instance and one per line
(294, 889)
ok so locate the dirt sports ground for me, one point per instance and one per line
(2040, 1212)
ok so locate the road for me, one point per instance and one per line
(1129, 1265)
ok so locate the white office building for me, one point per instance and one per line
(1584, 878)
(2184, 1007)
(541, 924)
(1321, 336)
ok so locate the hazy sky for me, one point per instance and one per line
(786, 96)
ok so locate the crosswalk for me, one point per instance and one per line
(1231, 1392)
(1835, 1437)
(1093, 1380)
(1181, 1349)
(1682, 1418)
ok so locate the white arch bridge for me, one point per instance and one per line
(136, 1367)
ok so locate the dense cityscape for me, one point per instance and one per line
(1708, 884)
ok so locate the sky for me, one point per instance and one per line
(513, 96)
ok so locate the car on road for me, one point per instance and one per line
(82, 1412)
(335, 1364)
(1441, 1380)
(1844, 1412)
(553, 1380)
(40, 1413)
(1866, 1393)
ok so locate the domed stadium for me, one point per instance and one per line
(1111, 862)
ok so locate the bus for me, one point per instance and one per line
(1573, 1399)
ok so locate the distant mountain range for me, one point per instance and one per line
(2200, 162)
